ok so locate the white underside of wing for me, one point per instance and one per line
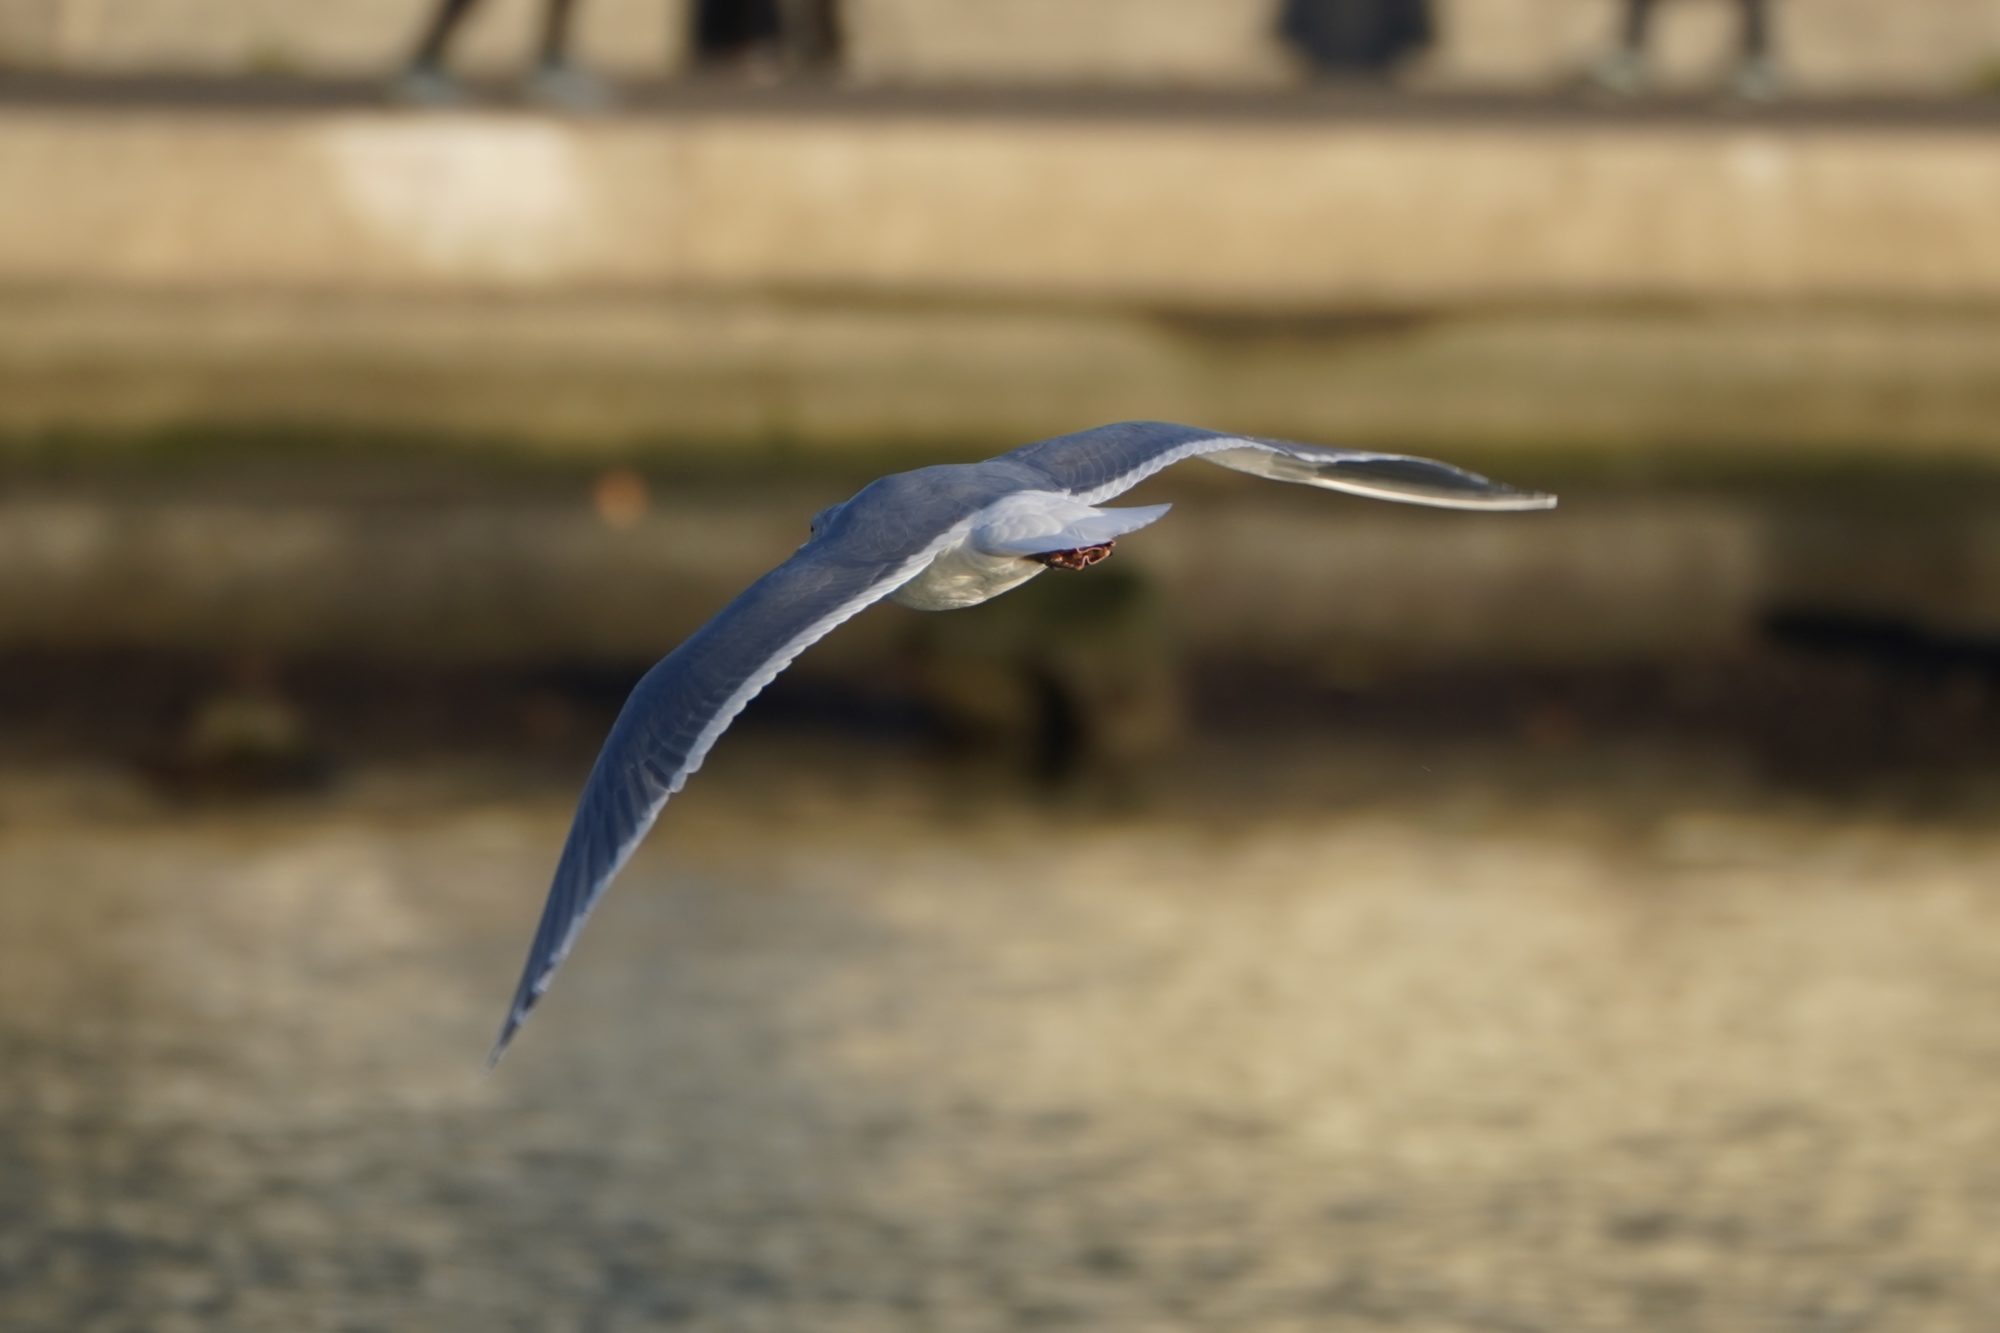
(1277, 463)
(1036, 522)
(1280, 466)
(992, 556)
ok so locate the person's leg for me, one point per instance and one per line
(1622, 69)
(735, 31)
(555, 33)
(556, 82)
(1756, 30)
(1756, 73)
(811, 34)
(431, 46)
(423, 81)
(1638, 25)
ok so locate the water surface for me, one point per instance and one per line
(1472, 1054)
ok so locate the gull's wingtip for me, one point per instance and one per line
(1498, 495)
(494, 1056)
(515, 1017)
(1499, 500)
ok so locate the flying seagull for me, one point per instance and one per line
(933, 539)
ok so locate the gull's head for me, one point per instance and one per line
(824, 517)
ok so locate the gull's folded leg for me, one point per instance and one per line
(1083, 557)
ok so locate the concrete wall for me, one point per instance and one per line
(467, 580)
(1163, 214)
(886, 282)
(869, 386)
(1830, 45)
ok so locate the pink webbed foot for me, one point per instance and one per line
(1083, 557)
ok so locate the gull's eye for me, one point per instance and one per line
(819, 519)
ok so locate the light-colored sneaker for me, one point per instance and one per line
(427, 86)
(569, 89)
(1756, 80)
(1621, 73)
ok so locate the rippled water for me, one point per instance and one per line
(1492, 1059)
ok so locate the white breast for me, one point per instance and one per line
(963, 575)
(996, 553)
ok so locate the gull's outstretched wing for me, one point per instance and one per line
(677, 711)
(1094, 465)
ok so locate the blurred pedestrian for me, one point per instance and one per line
(1756, 78)
(555, 81)
(1356, 37)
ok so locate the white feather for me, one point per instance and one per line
(1037, 522)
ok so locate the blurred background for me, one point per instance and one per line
(1323, 916)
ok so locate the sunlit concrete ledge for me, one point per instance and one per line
(1202, 217)
(857, 383)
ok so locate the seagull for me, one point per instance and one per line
(934, 539)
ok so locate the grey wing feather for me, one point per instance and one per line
(1095, 465)
(674, 716)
